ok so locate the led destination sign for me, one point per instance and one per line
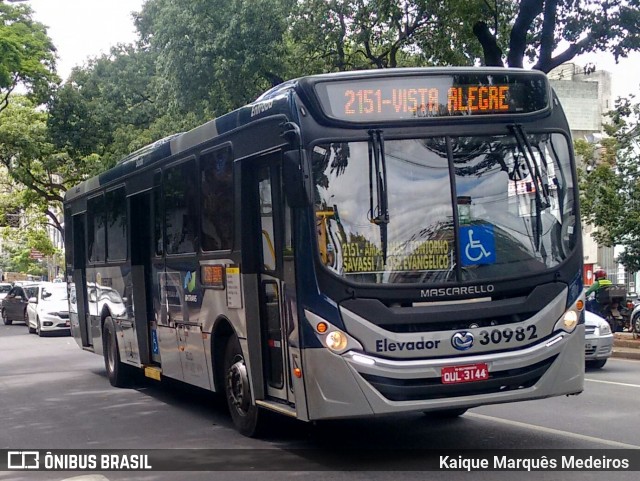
(416, 97)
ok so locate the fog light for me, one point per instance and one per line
(336, 341)
(47, 323)
(570, 321)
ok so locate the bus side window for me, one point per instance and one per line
(266, 220)
(181, 208)
(158, 237)
(216, 184)
(116, 212)
(96, 231)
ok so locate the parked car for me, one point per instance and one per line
(635, 320)
(598, 340)
(48, 309)
(14, 305)
(5, 287)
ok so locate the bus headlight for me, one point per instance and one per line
(336, 341)
(569, 321)
(332, 337)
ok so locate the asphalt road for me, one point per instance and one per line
(53, 395)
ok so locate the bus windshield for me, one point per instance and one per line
(387, 210)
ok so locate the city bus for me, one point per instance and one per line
(348, 245)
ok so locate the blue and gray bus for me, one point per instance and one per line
(350, 244)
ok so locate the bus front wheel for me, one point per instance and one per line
(246, 416)
(118, 373)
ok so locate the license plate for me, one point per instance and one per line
(467, 373)
(68, 323)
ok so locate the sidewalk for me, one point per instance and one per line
(625, 346)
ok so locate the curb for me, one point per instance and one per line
(625, 346)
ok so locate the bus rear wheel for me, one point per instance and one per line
(119, 374)
(246, 416)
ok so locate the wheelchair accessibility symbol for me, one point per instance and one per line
(478, 245)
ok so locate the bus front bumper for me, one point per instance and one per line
(356, 384)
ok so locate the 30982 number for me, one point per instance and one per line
(496, 336)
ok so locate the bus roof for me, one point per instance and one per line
(274, 101)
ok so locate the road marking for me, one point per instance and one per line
(613, 382)
(569, 434)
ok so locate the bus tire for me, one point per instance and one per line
(119, 374)
(246, 416)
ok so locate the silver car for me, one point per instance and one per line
(598, 342)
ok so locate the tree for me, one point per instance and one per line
(610, 186)
(576, 26)
(27, 56)
(359, 34)
(110, 108)
(347, 34)
(19, 244)
(41, 174)
(215, 55)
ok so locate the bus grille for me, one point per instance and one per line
(432, 388)
(453, 325)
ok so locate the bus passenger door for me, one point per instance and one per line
(80, 279)
(141, 278)
(272, 287)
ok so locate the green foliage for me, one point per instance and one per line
(215, 55)
(18, 245)
(197, 59)
(27, 56)
(361, 34)
(582, 26)
(39, 173)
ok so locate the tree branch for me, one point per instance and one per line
(56, 223)
(529, 10)
(573, 50)
(492, 52)
(547, 34)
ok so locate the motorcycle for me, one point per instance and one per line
(610, 302)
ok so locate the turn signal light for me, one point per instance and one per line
(322, 327)
(580, 305)
(297, 372)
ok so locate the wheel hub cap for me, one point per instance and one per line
(238, 386)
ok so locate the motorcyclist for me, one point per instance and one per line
(601, 281)
(593, 303)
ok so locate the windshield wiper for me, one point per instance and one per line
(378, 213)
(541, 187)
(540, 180)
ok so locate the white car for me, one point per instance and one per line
(48, 310)
(598, 340)
(5, 287)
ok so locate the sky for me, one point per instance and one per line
(87, 28)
